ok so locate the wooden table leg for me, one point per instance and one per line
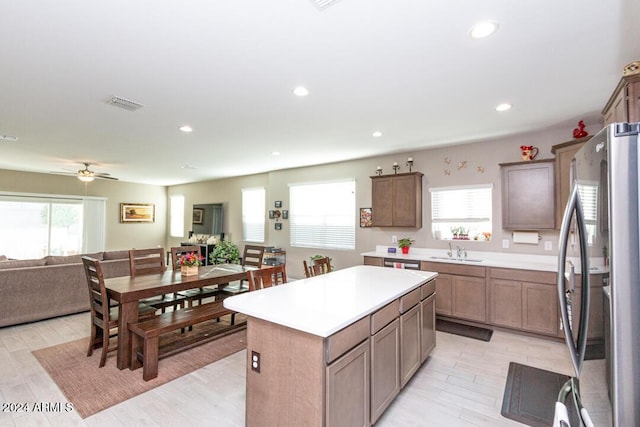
(128, 313)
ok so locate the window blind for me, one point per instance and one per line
(323, 215)
(461, 204)
(253, 214)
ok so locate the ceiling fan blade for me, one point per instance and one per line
(105, 176)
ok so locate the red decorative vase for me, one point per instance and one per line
(405, 250)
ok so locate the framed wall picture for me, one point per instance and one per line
(198, 214)
(285, 214)
(137, 212)
(278, 204)
(278, 226)
(365, 217)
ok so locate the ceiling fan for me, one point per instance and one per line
(88, 175)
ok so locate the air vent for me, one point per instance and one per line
(322, 4)
(116, 101)
(8, 138)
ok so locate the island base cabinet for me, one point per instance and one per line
(347, 386)
(410, 349)
(428, 317)
(385, 368)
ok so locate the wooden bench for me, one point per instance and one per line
(145, 335)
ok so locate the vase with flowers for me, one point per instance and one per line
(189, 263)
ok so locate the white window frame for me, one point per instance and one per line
(176, 215)
(468, 207)
(253, 214)
(323, 214)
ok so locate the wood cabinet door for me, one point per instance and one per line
(410, 327)
(469, 298)
(385, 368)
(528, 195)
(371, 260)
(540, 308)
(428, 331)
(444, 300)
(382, 202)
(564, 154)
(347, 389)
(506, 303)
(407, 194)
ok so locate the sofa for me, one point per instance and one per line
(37, 289)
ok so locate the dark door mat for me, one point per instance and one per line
(463, 330)
(594, 351)
(530, 395)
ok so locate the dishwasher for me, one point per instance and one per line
(402, 263)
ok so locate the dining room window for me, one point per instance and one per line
(176, 216)
(36, 225)
(323, 215)
(461, 213)
(253, 214)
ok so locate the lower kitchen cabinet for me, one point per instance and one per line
(469, 298)
(444, 299)
(526, 305)
(347, 397)
(410, 349)
(385, 368)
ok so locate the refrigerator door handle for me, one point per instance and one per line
(576, 350)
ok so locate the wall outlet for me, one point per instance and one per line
(394, 239)
(548, 245)
(505, 244)
(255, 361)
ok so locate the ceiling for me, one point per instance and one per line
(407, 68)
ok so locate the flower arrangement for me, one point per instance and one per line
(190, 259)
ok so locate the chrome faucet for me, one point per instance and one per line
(460, 251)
(450, 252)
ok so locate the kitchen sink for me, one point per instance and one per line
(456, 259)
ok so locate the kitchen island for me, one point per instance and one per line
(335, 349)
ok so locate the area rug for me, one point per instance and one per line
(91, 389)
(464, 330)
(530, 395)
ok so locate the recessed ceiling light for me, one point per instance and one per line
(275, 153)
(8, 138)
(188, 167)
(301, 91)
(503, 107)
(483, 29)
(376, 134)
(186, 128)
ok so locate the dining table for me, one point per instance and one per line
(127, 291)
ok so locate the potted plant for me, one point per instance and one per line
(404, 244)
(225, 252)
(189, 263)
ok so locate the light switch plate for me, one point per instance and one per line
(505, 244)
(548, 245)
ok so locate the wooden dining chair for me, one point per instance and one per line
(267, 277)
(319, 266)
(104, 317)
(151, 261)
(191, 295)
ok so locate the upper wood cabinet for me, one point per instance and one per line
(624, 104)
(397, 200)
(528, 195)
(564, 154)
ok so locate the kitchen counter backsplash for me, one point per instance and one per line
(486, 259)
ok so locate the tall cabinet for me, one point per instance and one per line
(564, 154)
(397, 200)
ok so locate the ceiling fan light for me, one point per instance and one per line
(86, 178)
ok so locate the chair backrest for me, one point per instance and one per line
(267, 277)
(178, 251)
(253, 255)
(98, 300)
(319, 266)
(146, 261)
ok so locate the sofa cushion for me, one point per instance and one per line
(22, 263)
(116, 255)
(70, 259)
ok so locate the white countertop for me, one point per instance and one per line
(484, 259)
(324, 304)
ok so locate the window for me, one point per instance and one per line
(36, 225)
(176, 213)
(323, 215)
(253, 214)
(461, 213)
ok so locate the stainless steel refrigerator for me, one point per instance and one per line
(600, 234)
